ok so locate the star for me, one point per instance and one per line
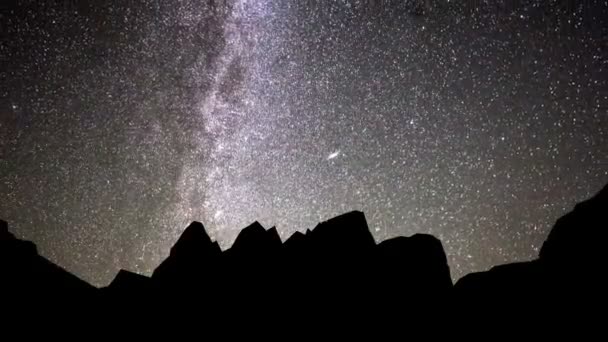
(333, 155)
(477, 123)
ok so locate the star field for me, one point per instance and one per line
(480, 123)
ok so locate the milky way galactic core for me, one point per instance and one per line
(478, 122)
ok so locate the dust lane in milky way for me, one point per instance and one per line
(121, 123)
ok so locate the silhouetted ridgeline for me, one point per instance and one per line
(335, 272)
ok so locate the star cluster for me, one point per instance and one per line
(477, 122)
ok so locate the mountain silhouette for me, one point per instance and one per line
(335, 272)
(25, 272)
(567, 280)
(192, 253)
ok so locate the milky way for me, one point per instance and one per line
(121, 123)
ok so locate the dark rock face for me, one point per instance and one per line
(579, 237)
(568, 277)
(129, 283)
(29, 281)
(416, 264)
(334, 272)
(190, 258)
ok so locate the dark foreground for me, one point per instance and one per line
(332, 279)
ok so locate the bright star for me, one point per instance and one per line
(333, 155)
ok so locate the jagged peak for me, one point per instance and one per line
(256, 236)
(194, 236)
(5, 235)
(196, 230)
(295, 237)
(254, 229)
(273, 235)
(344, 228)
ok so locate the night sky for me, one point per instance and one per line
(121, 122)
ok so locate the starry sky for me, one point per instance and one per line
(480, 122)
